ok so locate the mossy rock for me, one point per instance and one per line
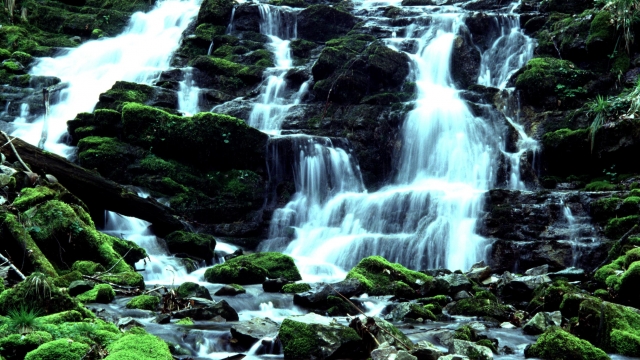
(378, 276)
(66, 279)
(33, 196)
(198, 245)
(556, 343)
(22, 248)
(61, 317)
(87, 267)
(190, 289)
(38, 291)
(605, 208)
(139, 346)
(322, 23)
(483, 304)
(600, 185)
(109, 156)
(545, 80)
(16, 346)
(123, 92)
(197, 140)
(296, 288)
(61, 349)
(242, 272)
(276, 264)
(617, 227)
(215, 12)
(55, 219)
(313, 336)
(143, 302)
(548, 297)
(101, 293)
(601, 33)
(302, 48)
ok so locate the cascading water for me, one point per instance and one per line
(138, 54)
(427, 218)
(188, 94)
(508, 53)
(269, 110)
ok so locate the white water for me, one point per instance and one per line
(138, 54)
(508, 53)
(188, 94)
(426, 219)
(279, 24)
(573, 231)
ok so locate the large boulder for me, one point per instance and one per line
(556, 343)
(204, 309)
(249, 332)
(198, 245)
(541, 321)
(465, 61)
(468, 348)
(318, 296)
(314, 336)
(322, 23)
(241, 272)
(408, 311)
(215, 12)
(380, 277)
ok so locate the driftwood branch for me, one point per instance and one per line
(15, 152)
(7, 261)
(97, 192)
(368, 317)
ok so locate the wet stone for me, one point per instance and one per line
(249, 332)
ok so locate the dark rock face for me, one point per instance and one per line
(247, 18)
(206, 310)
(465, 61)
(322, 296)
(322, 23)
(529, 229)
(248, 332)
(216, 12)
(274, 285)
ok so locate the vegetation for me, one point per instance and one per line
(379, 276)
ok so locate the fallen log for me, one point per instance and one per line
(97, 192)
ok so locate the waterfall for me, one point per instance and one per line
(139, 54)
(508, 53)
(188, 94)
(279, 24)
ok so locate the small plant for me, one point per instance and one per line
(39, 285)
(623, 13)
(24, 319)
(226, 137)
(610, 174)
(598, 110)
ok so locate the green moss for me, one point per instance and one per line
(66, 279)
(12, 229)
(139, 346)
(601, 29)
(621, 63)
(488, 343)
(38, 291)
(441, 300)
(101, 293)
(4, 54)
(61, 349)
(22, 57)
(97, 34)
(544, 76)
(185, 321)
(302, 48)
(16, 346)
(600, 186)
(616, 227)
(604, 272)
(276, 264)
(484, 304)
(548, 297)
(216, 66)
(605, 208)
(61, 317)
(199, 245)
(32, 196)
(556, 343)
(296, 288)
(617, 325)
(552, 139)
(87, 267)
(302, 341)
(375, 274)
(109, 156)
(465, 333)
(144, 302)
(130, 278)
(239, 272)
(206, 32)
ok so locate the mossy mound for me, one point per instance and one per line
(39, 292)
(544, 81)
(62, 349)
(276, 264)
(242, 272)
(16, 346)
(32, 196)
(379, 276)
(109, 156)
(86, 267)
(296, 288)
(556, 343)
(197, 245)
(139, 346)
(190, 289)
(101, 293)
(548, 297)
(483, 304)
(143, 302)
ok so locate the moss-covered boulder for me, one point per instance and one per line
(601, 34)
(62, 349)
(380, 276)
(86, 267)
(548, 297)
(101, 293)
(296, 288)
(143, 302)
(242, 272)
(190, 289)
(109, 156)
(277, 265)
(215, 12)
(197, 245)
(199, 140)
(545, 81)
(139, 346)
(38, 291)
(323, 22)
(556, 343)
(16, 346)
(314, 336)
(483, 304)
